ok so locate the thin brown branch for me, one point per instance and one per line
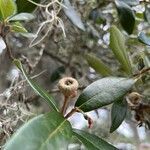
(14, 89)
(143, 71)
(9, 51)
(55, 57)
(64, 107)
(71, 113)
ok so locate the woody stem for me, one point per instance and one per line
(64, 107)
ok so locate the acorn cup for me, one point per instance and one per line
(68, 86)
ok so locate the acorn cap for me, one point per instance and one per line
(68, 86)
(134, 98)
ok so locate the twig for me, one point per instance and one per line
(19, 84)
(142, 72)
(55, 58)
(33, 77)
(71, 113)
(64, 107)
(9, 52)
(25, 60)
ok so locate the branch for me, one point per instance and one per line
(142, 72)
(55, 57)
(9, 52)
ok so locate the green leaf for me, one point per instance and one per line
(1, 17)
(18, 27)
(117, 44)
(22, 17)
(28, 35)
(73, 15)
(98, 65)
(144, 39)
(26, 6)
(7, 8)
(92, 142)
(103, 92)
(36, 87)
(44, 132)
(126, 16)
(118, 113)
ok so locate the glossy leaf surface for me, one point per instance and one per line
(92, 142)
(103, 92)
(26, 6)
(117, 45)
(118, 113)
(126, 16)
(73, 15)
(22, 17)
(44, 132)
(7, 8)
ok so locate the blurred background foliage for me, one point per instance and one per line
(86, 53)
